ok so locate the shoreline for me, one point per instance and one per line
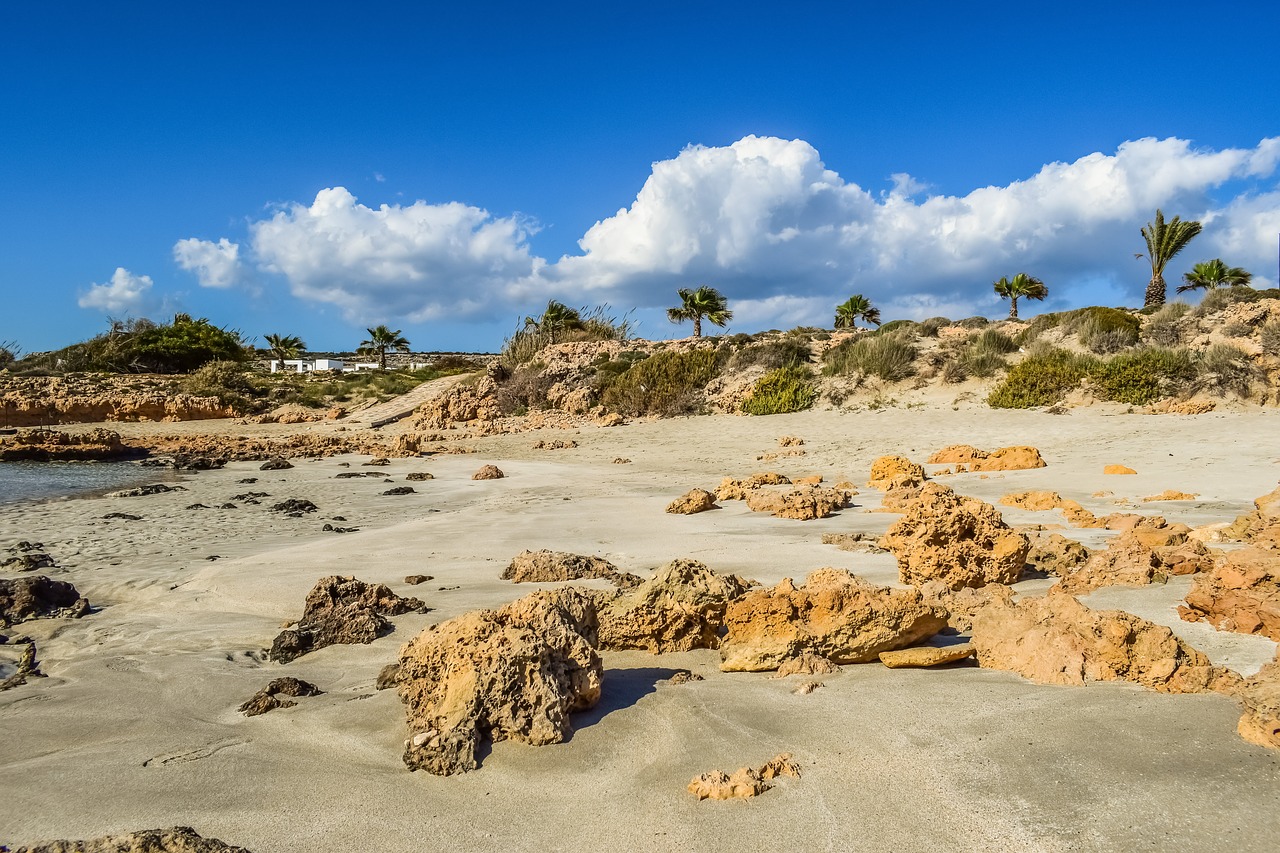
(136, 725)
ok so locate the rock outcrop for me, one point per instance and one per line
(1260, 699)
(268, 699)
(958, 540)
(834, 614)
(71, 399)
(179, 839)
(341, 610)
(968, 458)
(682, 607)
(737, 490)
(1057, 640)
(691, 502)
(488, 472)
(1118, 469)
(551, 566)
(1262, 526)
(1139, 557)
(1056, 555)
(36, 597)
(744, 782)
(51, 445)
(802, 503)
(1241, 593)
(1037, 501)
(924, 656)
(961, 605)
(516, 673)
(889, 469)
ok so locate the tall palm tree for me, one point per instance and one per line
(856, 307)
(704, 302)
(380, 340)
(1021, 286)
(284, 347)
(1210, 275)
(1164, 241)
(556, 318)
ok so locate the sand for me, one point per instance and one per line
(136, 726)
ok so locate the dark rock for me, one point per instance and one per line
(350, 475)
(341, 610)
(378, 461)
(28, 561)
(227, 506)
(417, 476)
(294, 507)
(329, 528)
(339, 518)
(250, 496)
(142, 491)
(414, 580)
(266, 700)
(275, 465)
(123, 516)
(179, 839)
(28, 667)
(399, 490)
(196, 506)
(30, 598)
(388, 676)
(247, 481)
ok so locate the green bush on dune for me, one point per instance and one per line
(665, 384)
(1143, 376)
(889, 357)
(787, 389)
(1041, 379)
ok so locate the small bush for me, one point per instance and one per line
(908, 328)
(1224, 297)
(1102, 330)
(524, 390)
(1269, 337)
(228, 381)
(1143, 376)
(1237, 330)
(1038, 327)
(929, 328)
(954, 373)
(1041, 379)
(983, 354)
(8, 353)
(787, 389)
(666, 384)
(974, 322)
(1164, 329)
(607, 370)
(888, 357)
(1226, 368)
(771, 355)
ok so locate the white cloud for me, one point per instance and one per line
(215, 264)
(417, 262)
(124, 294)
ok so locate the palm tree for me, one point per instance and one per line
(284, 347)
(556, 318)
(1021, 286)
(380, 340)
(1210, 275)
(1164, 241)
(856, 307)
(696, 304)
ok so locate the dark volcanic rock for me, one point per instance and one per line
(30, 598)
(294, 507)
(341, 610)
(275, 465)
(142, 491)
(400, 490)
(123, 516)
(266, 699)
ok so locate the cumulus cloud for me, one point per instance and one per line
(125, 294)
(214, 264)
(418, 262)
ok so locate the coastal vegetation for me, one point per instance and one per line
(856, 307)
(1021, 286)
(381, 340)
(142, 346)
(786, 389)
(1210, 275)
(284, 347)
(664, 384)
(704, 303)
(1164, 241)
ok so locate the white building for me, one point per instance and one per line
(307, 365)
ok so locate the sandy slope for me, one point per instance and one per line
(136, 727)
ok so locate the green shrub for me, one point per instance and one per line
(1143, 376)
(888, 357)
(929, 328)
(1237, 330)
(901, 327)
(1041, 379)
(954, 372)
(1038, 327)
(1163, 329)
(1227, 368)
(667, 383)
(787, 389)
(594, 324)
(787, 352)
(606, 369)
(142, 346)
(1102, 329)
(1223, 297)
(983, 354)
(974, 322)
(1269, 337)
(8, 353)
(229, 382)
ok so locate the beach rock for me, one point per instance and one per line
(900, 494)
(888, 469)
(806, 663)
(276, 464)
(1260, 699)
(122, 516)
(341, 610)
(266, 699)
(1056, 555)
(621, 460)
(1261, 526)
(1018, 458)
(330, 528)
(143, 491)
(28, 557)
(1118, 469)
(803, 503)
(37, 597)
(460, 404)
(923, 656)
(680, 608)
(692, 501)
(745, 782)
(294, 507)
(737, 490)
(179, 839)
(804, 688)
(1173, 406)
(865, 543)
(400, 490)
(1137, 558)
(1241, 594)
(417, 476)
(684, 676)
(51, 445)
(1170, 495)
(961, 605)
(378, 462)
(1057, 640)
(835, 614)
(1037, 501)
(28, 667)
(414, 580)
(514, 673)
(488, 472)
(557, 444)
(961, 541)
(953, 454)
(551, 566)
(790, 441)
(388, 677)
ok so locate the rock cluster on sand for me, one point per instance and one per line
(1139, 557)
(682, 607)
(551, 566)
(865, 543)
(1260, 699)
(691, 502)
(1057, 640)
(731, 489)
(890, 469)
(960, 541)
(179, 839)
(341, 610)
(834, 614)
(1035, 501)
(267, 699)
(488, 472)
(744, 782)
(1170, 495)
(277, 464)
(968, 458)
(36, 597)
(802, 503)
(1056, 555)
(514, 673)
(1241, 593)
(961, 605)
(50, 445)
(925, 656)
(28, 667)
(1262, 526)
(27, 557)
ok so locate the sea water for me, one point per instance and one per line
(27, 481)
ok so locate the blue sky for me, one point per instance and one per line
(505, 140)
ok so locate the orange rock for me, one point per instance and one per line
(790, 441)
(815, 480)
(1017, 458)
(1260, 697)
(745, 782)
(692, 501)
(1171, 495)
(1118, 469)
(1139, 557)
(1241, 594)
(488, 472)
(1035, 501)
(802, 504)
(921, 656)
(887, 469)
(736, 490)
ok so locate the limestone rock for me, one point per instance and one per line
(692, 501)
(513, 673)
(1118, 469)
(460, 404)
(900, 494)
(488, 472)
(1057, 640)
(857, 542)
(1137, 558)
(961, 605)
(551, 566)
(51, 445)
(737, 490)
(1056, 555)
(276, 464)
(266, 699)
(179, 839)
(790, 441)
(682, 607)
(745, 782)
(1173, 406)
(36, 597)
(419, 476)
(803, 503)
(1017, 458)
(922, 656)
(1170, 495)
(1260, 698)
(888, 469)
(1037, 501)
(806, 663)
(1241, 594)
(1262, 526)
(835, 614)
(341, 610)
(958, 540)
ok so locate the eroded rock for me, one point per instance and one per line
(1056, 555)
(1140, 557)
(1241, 593)
(178, 839)
(924, 656)
(691, 502)
(488, 472)
(745, 782)
(803, 503)
(888, 469)
(37, 597)
(552, 566)
(966, 457)
(1260, 700)
(267, 699)
(737, 490)
(341, 610)
(680, 608)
